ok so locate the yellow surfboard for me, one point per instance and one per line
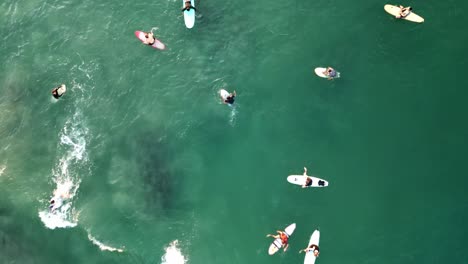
(395, 11)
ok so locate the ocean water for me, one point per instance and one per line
(155, 169)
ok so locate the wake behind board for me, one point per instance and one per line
(314, 240)
(320, 72)
(301, 180)
(157, 44)
(189, 16)
(277, 244)
(395, 11)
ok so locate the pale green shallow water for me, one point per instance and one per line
(155, 157)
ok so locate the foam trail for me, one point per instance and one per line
(102, 246)
(232, 120)
(73, 141)
(2, 169)
(173, 254)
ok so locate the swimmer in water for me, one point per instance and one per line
(57, 201)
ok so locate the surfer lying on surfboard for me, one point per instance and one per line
(308, 181)
(284, 238)
(404, 11)
(330, 72)
(313, 248)
(57, 92)
(188, 6)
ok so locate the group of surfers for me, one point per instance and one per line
(285, 243)
(285, 237)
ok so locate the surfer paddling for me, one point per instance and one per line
(404, 11)
(188, 6)
(284, 238)
(330, 73)
(58, 91)
(314, 248)
(230, 98)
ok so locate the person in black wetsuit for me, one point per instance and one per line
(230, 98)
(188, 6)
(57, 92)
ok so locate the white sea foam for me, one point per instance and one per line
(173, 254)
(73, 145)
(102, 246)
(2, 169)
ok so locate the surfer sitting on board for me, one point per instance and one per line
(313, 248)
(404, 12)
(149, 38)
(284, 238)
(330, 72)
(188, 6)
(230, 98)
(308, 181)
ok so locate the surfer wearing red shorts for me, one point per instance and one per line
(284, 238)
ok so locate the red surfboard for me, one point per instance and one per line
(157, 44)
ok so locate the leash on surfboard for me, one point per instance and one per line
(154, 28)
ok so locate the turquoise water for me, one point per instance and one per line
(150, 156)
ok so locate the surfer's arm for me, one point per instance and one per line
(286, 247)
(305, 171)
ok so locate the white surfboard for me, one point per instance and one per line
(395, 11)
(189, 16)
(314, 240)
(320, 72)
(301, 180)
(277, 244)
(223, 94)
(61, 90)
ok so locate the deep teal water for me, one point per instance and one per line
(153, 156)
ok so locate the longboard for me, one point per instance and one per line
(395, 11)
(189, 16)
(314, 239)
(301, 180)
(277, 244)
(157, 43)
